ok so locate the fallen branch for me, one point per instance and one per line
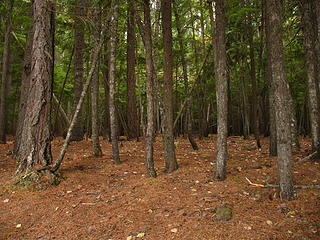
(267, 185)
(307, 157)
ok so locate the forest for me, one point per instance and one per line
(164, 119)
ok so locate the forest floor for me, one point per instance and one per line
(100, 200)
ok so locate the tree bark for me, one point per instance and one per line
(282, 112)
(312, 68)
(185, 77)
(150, 100)
(132, 117)
(24, 93)
(35, 143)
(168, 140)
(5, 76)
(112, 84)
(221, 91)
(79, 12)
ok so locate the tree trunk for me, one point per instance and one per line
(308, 27)
(271, 99)
(35, 143)
(97, 152)
(112, 84)
(105, 72)
(168, 141)
(245, 104)
(279, 85)
(150, 101)
(221, 91)
(80, 12)
(132, 117)
(5, 76)
(255, 103)
(185, 77)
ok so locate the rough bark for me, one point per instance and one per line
(221, 91)
(5, 75)
(79, 11)
(25, 82)
(282, 112)
(132, 117)
(149, 137)
(112, 84)
(168, 140)
(185, 78)
(312, 68)
(35, 143)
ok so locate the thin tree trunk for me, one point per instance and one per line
(279, 85)
(132, 118)
(97, 152)
(112, 84)
(168, 140)
(245, 104)
(5, 76)
(35, 143)
(79, 11)
(271, 99)
(105, 71)
(255, 103)
(308, 27)
(221, 91)
(185, 77)
(149, 137)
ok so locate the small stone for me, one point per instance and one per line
(223, 213)
(174, 230)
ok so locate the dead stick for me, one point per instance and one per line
(267, 185)
(307, 157)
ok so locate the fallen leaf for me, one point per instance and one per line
(269, 222)
(6, 200)
(19, 225)
(174, 230)
(140, 235)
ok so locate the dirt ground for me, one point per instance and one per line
(100, 200)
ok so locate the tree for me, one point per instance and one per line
(35, 143)
(5, 75)
(112, 90)
(281, 99)
(95, 93)
(149, 138)
(309, 24)
(220, 69)
(79, 12)
(132, 117)
(168, 141)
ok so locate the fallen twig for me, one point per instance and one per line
(267, 185)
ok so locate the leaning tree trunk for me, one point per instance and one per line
(150, 98)
(35, 147)
(220, 66)
(132, 117)
(185, 77)
(312, 68)
(5, 76)
(168, 141)
(282, 112)
(112, 91)
(79, 11)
